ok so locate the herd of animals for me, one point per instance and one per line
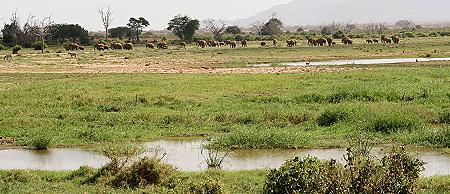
(228, 43)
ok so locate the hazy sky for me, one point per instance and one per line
(158, 12)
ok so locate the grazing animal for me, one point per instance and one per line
(346, 40)
(395, 39)
(311, 42)
(329, 41)
(385, 40)
(369, 41)
(227, 42)
(291, 43)
(72, 47)
(201, 43)
(162, 45)
(275, 42)
(263, 44)
(183, 45)
(116, 46)
(244, 43)
(150, 46)
(321, 41)
(232, 44)
(8, 57)
(81, 48)
(375, 41)
(72, 55)
(128, 46)
(99, 47)
(221, 43)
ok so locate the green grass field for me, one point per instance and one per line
(405, 103)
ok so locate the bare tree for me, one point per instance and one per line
(380, 27)
(44, 29)
(106, 14)
(348, 27)
(257, 27)
(216, 27)
(405, 24)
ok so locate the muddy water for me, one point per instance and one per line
(358, 62)
(54, 159)
(187, 156)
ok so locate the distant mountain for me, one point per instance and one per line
(317, 12)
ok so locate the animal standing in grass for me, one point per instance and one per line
(150, 46)
(329, 41)
(275, 42)
(347, 40)
(395, 39)
(183, 45)
(244, 43)
(128, 46)
(8, 57)
(263, 44)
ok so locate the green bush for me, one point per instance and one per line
(395, 173)
(16, 176)
(39, 142)
(331, 117)
(16, 49)
(146, 171)
(38, 45)
(434, 34)
(388, 122)
(309, 175)
(2, 47)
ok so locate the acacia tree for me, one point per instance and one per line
(272, 27)
(233, 30)
(44, 29)
(74, 32)
(106, 14)
(216, 27)
(137, 25)
(184, 27)
(120, 32)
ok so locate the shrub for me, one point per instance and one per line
(17, 175)
(2, 47)
(395, 173)
(146, 171)
(309, 175)
(38, 45)
(214, 159)
(434, 34)
(331, 117)
(392, 122)
(39, 142)
(16, 49)
(401, 171)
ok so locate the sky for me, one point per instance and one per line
(157, 12)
